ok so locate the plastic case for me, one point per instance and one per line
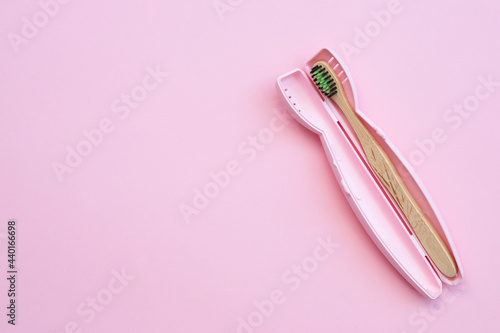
(370, 201)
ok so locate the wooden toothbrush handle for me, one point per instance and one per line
(388, 175)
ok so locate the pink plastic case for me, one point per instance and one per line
(372, 204)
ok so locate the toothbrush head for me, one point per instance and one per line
(325, 78)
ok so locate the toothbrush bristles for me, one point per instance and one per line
(315, 68)
(324, 80)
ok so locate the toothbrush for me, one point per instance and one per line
(329, 85)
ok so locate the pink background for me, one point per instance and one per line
(119, 209)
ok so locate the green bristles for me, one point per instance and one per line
(324, 80)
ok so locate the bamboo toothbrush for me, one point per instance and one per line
(329, 84)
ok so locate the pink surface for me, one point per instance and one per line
(272, 245)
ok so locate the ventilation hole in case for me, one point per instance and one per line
(341, 72)
(329, 61)
(346, 78)
(335, 67)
